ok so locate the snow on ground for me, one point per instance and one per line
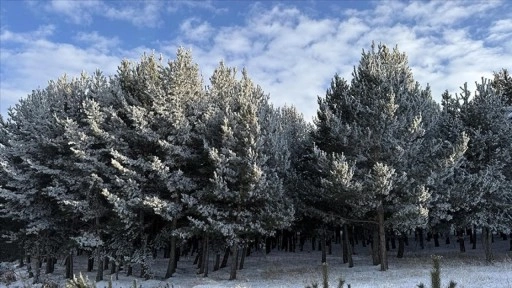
(286, 269)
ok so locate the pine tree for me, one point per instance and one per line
(450, 143)
(502, 82)
(485, 194)
(154, 151)
(246, 194)
(381, 122)
(39, 169)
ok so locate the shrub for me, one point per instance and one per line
(435, 274)
(79, 282)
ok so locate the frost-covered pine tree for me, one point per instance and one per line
(246, 195)
(40, 171)
(292, 137)
(502, 82)
(337, 185)
(91, 144)
(156, 151)
(380, 122)
(484, 195)
(449, 143)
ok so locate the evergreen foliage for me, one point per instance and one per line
(151, 159)
(79, 282)
(435, 274)
(480, 185)
(325, 279)
(381, 123)
(502, 82)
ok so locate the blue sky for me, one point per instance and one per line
(291, 49)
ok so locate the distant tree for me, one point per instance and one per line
(451, 143)
(485, 193)
(502, 82)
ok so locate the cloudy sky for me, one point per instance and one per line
(290, 48)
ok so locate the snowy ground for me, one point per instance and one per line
(282, 269)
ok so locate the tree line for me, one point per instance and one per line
(151, 159)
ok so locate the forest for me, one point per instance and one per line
(152, 162)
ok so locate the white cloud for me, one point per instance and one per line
(96, 41)
(293, 56)
(81, 12)
(41, 32)
(290, 53)
(36, 60)
(500, 34)
(208, 5)
(196, 30)
(78, 12)
(141, 14)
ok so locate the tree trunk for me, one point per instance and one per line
(106, 262)
(203, 253)
(401, 246)
(118, 267)
(510, 241)
(474, 238)
(200, 256)
(196, 260)
(420, 238)
(29, 267)
(234, 261)
(382, 239)
(171, 265)
(167, 251)
(344, 244)
(69, 266)
(37, 269)
(393, 239)
(225, 258)
(129, 269)
(365, 239)
(99, 272)
(284, 241)
(49, 265)
(436, 239)
(460, 239)
(143, 271)
(302, 241)
(322, 246)
(113, 267)
(388, 236)
(242, 258)
(469, 232)
(48, 268)
(375, 246)
(204, 256)
(144, 265)
(217, 261)
(487, 239)
(90, 262)
(349, 247)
